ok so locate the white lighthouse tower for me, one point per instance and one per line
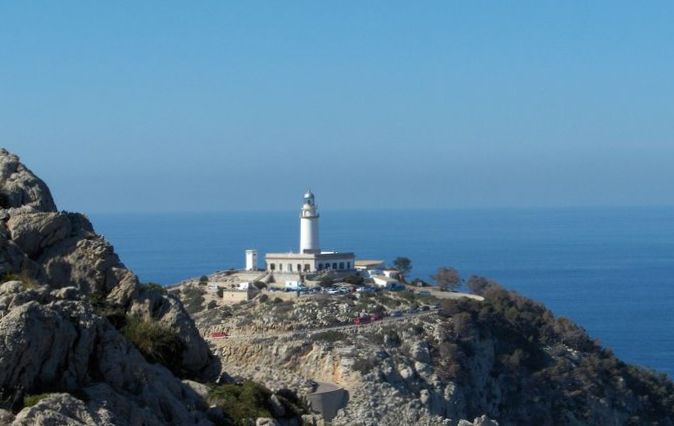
(309, 225)
(310, 259)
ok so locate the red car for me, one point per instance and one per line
(375, 317)
(219, 335)
(361, 320)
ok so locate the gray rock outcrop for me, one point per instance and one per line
(20, 188)
(56, 270)
(62, 249)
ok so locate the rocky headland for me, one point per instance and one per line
(500, 358)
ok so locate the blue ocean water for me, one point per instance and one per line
(610, 270)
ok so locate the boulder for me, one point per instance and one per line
(20, 188)
(33, 232)
(58, 409)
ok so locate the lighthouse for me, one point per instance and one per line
(311, 258)
(309, 225)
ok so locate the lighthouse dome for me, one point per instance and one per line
(309, 198)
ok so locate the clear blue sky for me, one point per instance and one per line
(214, 105)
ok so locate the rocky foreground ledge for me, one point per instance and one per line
(67, 309)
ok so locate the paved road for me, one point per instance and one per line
(310, 332)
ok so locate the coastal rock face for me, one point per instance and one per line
(62, 286)
(498, 359)
(51, 340)
(62, 249)
(20, 188)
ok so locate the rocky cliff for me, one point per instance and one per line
(64, 299)
(500, 358)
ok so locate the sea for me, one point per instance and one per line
(611, 270)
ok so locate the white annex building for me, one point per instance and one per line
(310, 258)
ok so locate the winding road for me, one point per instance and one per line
(313, 331)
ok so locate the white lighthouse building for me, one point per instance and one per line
(310, 257)
(309, 225)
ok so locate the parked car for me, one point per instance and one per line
(333, 291)
(375, 317)
(425, 308)
(361, 320)
(412, 311)
(424, 293)
(396, 314)
(219, 335)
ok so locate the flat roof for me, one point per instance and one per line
(368, 262)
(310, 256)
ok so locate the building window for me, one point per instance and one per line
(334, 265)
(320, 266)
(307, 267)
(272, 266)
(341, 265)
(290, 267)
(348, 265)
(280, 267)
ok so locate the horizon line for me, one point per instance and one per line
(375, 209)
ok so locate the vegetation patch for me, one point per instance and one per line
(330, 336)
(22, 277)
(532, 350)
(192, 299)
(30, 400)
(242, 402)
(151, 286)
(157, 343)
(363, 365)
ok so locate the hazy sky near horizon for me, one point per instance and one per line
(202, 106)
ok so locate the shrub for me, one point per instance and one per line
(259, 285)
(203, 280)
(192, 298)
(30, 400)
(330, 336)
(447, 278)
(363, 365)
(157, 343)
(355, 279)
(23, 277)
(249, 400)
(326, 281)
(152, 286)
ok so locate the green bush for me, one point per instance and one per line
(30, 400)
(192, 299)
(157, 343)
(363, 365)
(23, 277)
(330, 336)
(249, 400)
(151, 286)
(326, 281)
(355, 279)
